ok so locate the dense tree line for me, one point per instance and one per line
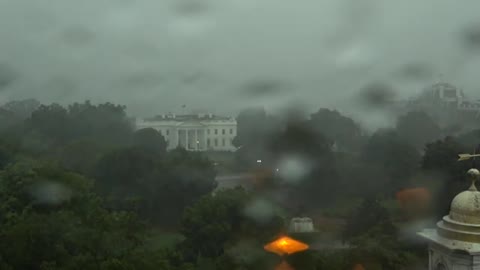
(82, 189)
(79, 185)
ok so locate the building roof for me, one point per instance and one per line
(465, 207)
(460, 229)
(189, 117)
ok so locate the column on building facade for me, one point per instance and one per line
(187, 141)
(196, 139)
(178, 137)
(205, 139)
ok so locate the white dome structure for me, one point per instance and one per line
(455, 243)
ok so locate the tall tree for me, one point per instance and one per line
(319, 180)
(373, 237)
(418, 128)
(217, 222)
(176, 180)
(22, 109)
(51, 122)
(150, 139)
(251, 124)
(441, 158)
(396, 159)
(106, 123)
(368, 215)
(81, 156)
(254, 131)
(341, 129)
(50, 219)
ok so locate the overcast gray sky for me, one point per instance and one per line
(222, 55)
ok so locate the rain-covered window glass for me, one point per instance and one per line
(241, 134)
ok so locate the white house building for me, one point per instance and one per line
(194, 132)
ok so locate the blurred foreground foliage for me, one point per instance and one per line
(82, 189)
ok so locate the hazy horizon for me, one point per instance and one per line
(222, 56)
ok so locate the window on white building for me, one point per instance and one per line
(223, 131)
(168, 132)
(223, 142)
(231, 131)
(216, 142)
(208, 131)
(208, 142)
(216, 131)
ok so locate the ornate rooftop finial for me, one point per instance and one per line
(473, 175)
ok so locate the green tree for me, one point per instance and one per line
(217, 222)
(375, 250)
(50, 122)
(125, 174)
(65, 227)
(394, 160)
(5, 157)
(254, 131)
(185, 178)
(418, 128)
(319, 180)
(441, 159)
(81, 156)
(338, 128)
(370, 214)
(137, 174)
(373, 238)
(150, 139)
(8, 121)
(105, 123)
(22, 109)
(54, 125)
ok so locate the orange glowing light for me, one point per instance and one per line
(286, 245)
(358, 267)
(284, 266)
(414, 202)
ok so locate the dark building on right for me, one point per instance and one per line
(447, 104)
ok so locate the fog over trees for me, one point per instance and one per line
(81, 187)
(350, 114)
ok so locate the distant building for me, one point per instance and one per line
(446, 103)
(447, 97)
(301, 225)
(194, 132)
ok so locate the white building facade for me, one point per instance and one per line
(455, 243)
(194, 132)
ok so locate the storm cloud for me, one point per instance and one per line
(155, 56)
